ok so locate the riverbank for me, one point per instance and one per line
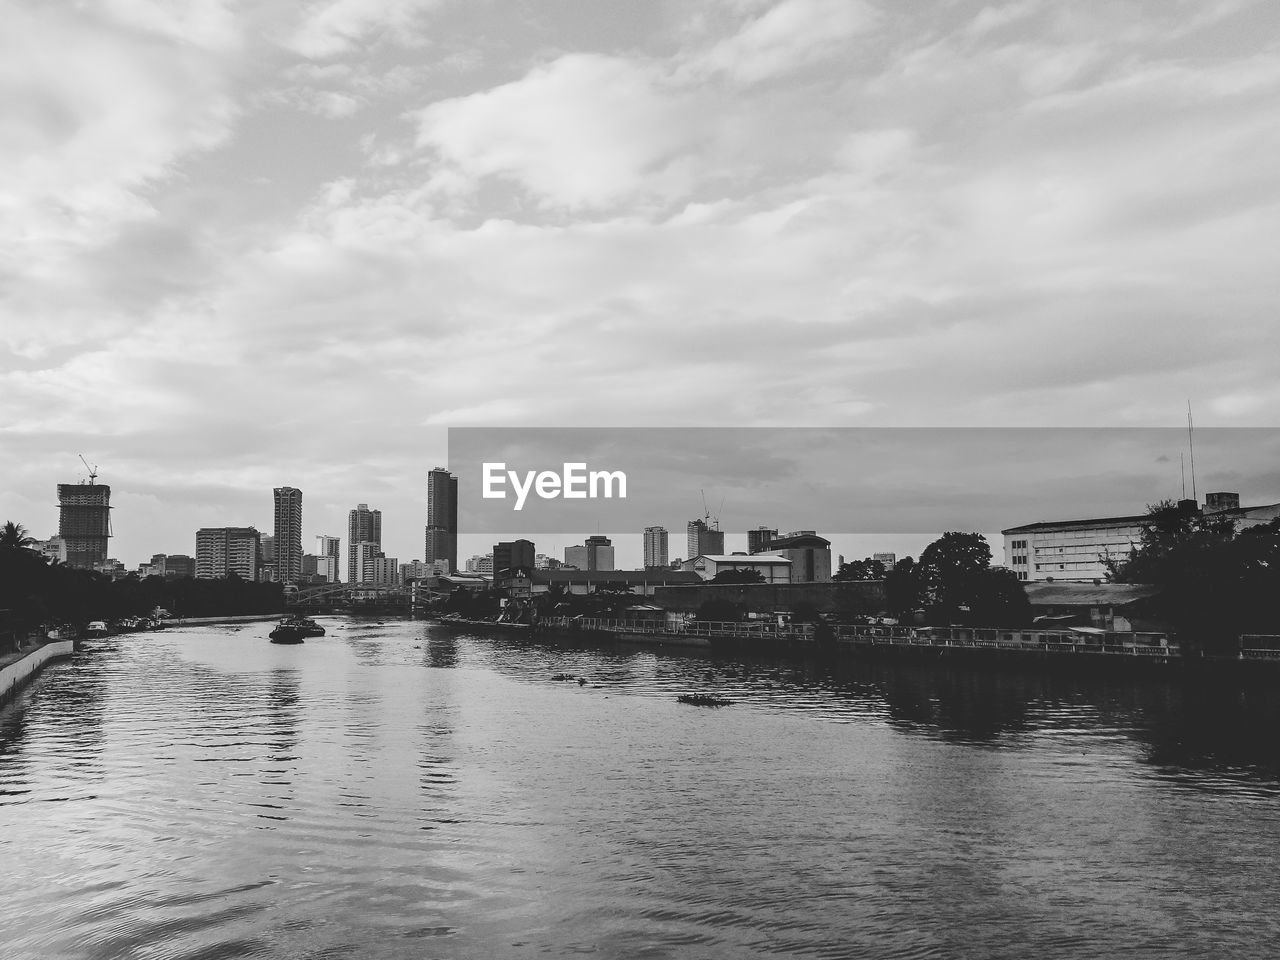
(18, 673)
(204, 621)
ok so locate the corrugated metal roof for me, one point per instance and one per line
(768, 558)
(615, 576)
(1073, 524)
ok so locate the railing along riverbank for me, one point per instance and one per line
(1142, 646)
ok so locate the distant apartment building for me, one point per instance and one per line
(1078, 550)
(363, 526)
(441, 542)
(810, 555)
(170, 566)
(480, 563)
(222, 551)
(268, 544)
(328, 558)
(886, 560)
(513, 555)
(704, 539)
(595, 554)
(414, 570)
(373, 566)
(758, 540)
(84, 522)
(655, 547)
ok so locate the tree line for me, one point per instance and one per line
(36, 592)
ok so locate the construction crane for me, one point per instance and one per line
(712, 523)
(93, 471)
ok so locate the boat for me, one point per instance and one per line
(305, 625)
(283, 634)
(96, 628)
(295, 630)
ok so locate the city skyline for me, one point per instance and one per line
(799, 212)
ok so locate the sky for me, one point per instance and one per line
(247, 245)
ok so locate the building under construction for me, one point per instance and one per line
(84, 522)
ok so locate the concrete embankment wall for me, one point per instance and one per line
(864, 597)
(16, 675)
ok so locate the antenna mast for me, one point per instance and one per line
(1191, 444)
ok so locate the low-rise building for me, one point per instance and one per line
(810, 555)
(774, 569)
(582, 582)
(1079, 550)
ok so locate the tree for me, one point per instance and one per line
(901, 589)
(743, 575)
(867, 569)
(14, 536)
(954, 582)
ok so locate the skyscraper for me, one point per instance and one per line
(655, 546)
(363, 526)
(704, 540)
(442, 518)
(288, 534)
(84, 522)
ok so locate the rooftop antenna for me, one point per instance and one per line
(1191, 444)
(1182, 457)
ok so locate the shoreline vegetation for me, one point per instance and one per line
(37, 596)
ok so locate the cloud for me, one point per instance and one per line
(335, 27)
(788, 36)
(586, 130)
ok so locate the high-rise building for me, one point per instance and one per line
(363, 526)
(329, 548)
(268, 544)
(84, 522)
(288, 533)
(655, 547)
(704, 540)
(222, 551)
(758, 540)
(442, 518)
(887, 560)
(513, 555)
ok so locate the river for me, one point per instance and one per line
(395, 790)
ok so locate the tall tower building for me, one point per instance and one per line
(363, 526)
(84, 522)
(704, 540)
(442, 518)
(655, 546)
(288, 534)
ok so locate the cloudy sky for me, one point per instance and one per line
(252, 244)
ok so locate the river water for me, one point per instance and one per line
(396, 790)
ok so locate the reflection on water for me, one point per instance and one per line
(390, 790)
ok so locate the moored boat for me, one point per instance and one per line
(284, 634)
